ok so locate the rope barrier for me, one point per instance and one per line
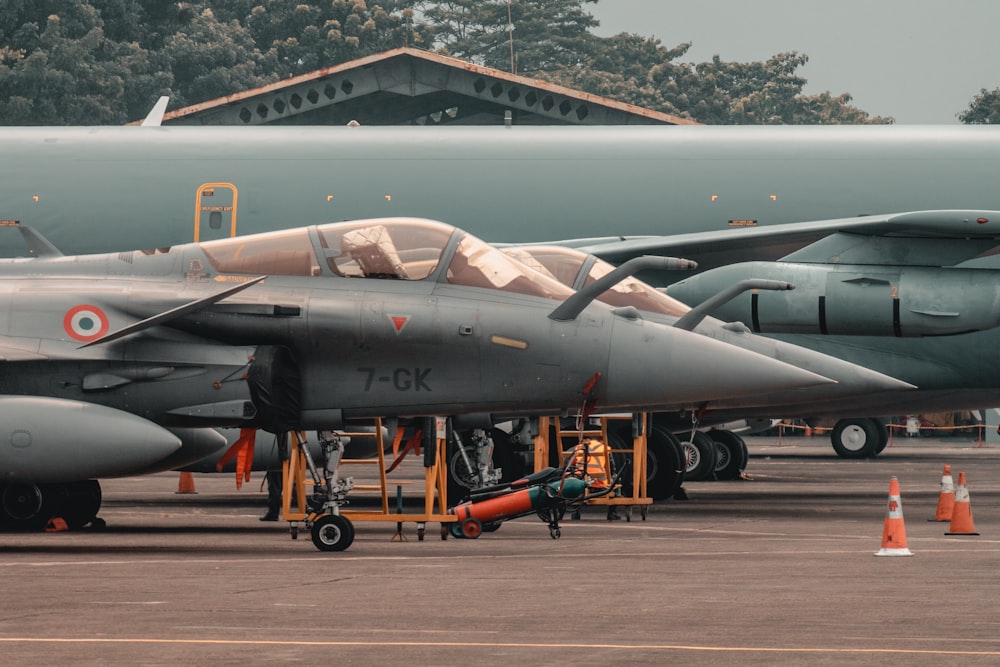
(809, 431)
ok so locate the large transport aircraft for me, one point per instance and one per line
(102, 189)
(715, 194)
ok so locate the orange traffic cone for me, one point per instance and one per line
(894, 532)
(186, 483)
(946, 499)
(961, 516)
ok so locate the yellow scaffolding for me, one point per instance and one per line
(435, 487)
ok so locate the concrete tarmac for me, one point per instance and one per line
(775, 570)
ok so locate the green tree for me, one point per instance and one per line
(306, 36)
(106, 61)
(63, 68)
(640, 70)
(521, 36)
(209, 58)
(984, 109)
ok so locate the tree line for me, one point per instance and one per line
(106, 61)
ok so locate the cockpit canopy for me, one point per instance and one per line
(386, 249)
(565, 264)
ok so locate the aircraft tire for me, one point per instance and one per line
(665, 463)
(23, 506)
(459, 477)
(855, 438)
(664, 460)
(701, 457)
(332, 532)
(461, 480)
(77, 502)
(732, 454)
(883, 438)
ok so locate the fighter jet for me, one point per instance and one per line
(307, 329)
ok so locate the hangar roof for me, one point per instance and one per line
(408, 86)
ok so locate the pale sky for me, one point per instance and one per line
(919, 61)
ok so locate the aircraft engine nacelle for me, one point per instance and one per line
(854, 300)
(51, 440)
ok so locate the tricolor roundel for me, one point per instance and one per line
(85, 323)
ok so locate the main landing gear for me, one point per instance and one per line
(857, 438)
(29, 506)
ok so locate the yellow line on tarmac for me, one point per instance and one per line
(527, 645)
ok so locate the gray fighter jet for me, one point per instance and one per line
(391, 317)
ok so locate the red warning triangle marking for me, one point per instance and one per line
(399, 321)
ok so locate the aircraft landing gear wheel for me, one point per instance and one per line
(701, 455)
(471, 528)
(554, 533)
(883, 438)
(460, 479)
(77, 502)
(731, 453)
(855, 438)
(332, 532)
(21, 506)
(665, 463)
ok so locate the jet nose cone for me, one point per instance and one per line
(851, 378)
(656, 365)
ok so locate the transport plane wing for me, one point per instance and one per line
(939, 238)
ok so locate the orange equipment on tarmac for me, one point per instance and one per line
(185, 483)
(946, 498)
(546, 493)
(594, 458)
(961, 517)
(541, 492)
(894, 531)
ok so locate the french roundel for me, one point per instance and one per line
(85, 323)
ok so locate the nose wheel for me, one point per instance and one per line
(332, 532)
